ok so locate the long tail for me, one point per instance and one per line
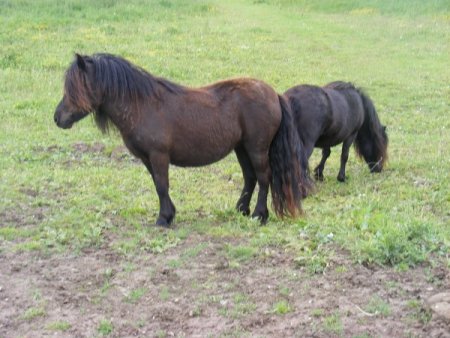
(289, 164)
(372, 141)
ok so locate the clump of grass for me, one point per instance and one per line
(135, 295)
(34, 312)
(282, 307)
(378, 306)
(317, 312)
(105, 327)
(399, 245)
(59, 326)
(241, 253)
(164, 294)
(419, 313)
(160, 243)
(333, 324)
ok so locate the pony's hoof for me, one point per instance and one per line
(261, 217)
(243, 211)
(341, 178)
(161, 222)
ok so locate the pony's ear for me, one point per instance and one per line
(80, 62)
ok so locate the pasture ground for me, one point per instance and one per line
(195, 289)
(78, 253)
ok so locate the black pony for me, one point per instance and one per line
(165, 123)
(338, 113)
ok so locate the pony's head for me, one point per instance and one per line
(80, 98)
(374, 150)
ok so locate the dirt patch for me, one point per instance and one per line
(96, 150)
(119, 153)
(180, 294)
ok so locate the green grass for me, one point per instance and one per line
(59, 326)
(55, 197)
(34, 312)
(241, 305)
(164, 294)
(135, 295)
(378, 306)
(418, 312)
(333, 324)
(282, 307)
(105, 327)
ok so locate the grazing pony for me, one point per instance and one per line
(164, 123)
(338, 113)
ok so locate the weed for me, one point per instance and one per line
(317, 312)
(363, 335)
(418, 311)
(160, 243)
(59, 326)
(241, 253)
(105, 327)
(34, 312)
(315, 262)
(341, 269)
(164, 294)
(333, 324)
(378, 306)
(282, 307)
(242, 305)
(135, 295)
(284, 291)
(161, 334)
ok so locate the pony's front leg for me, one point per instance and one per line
(318, 171)
(158, 166)
(344, 157)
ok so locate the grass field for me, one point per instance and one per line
(66, 196)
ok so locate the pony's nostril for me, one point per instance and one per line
(56, 119)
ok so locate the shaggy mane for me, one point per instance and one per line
(115, 78)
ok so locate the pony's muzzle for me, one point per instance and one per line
(64, 124)
(375, 168)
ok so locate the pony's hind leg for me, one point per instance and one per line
(318, 171)
(158, 166)
(243, 204)
(344, 157)
(260, 163)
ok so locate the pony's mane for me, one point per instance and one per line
(340, 85)
(118, 80)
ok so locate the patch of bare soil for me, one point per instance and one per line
(191, 293)
(119, 153)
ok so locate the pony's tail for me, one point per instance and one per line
(289, 165)
(372, 141)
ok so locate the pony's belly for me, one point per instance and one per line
(200, 152)
(328, 142)
(204, 146)
(197, 158)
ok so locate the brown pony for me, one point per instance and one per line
(164, 123)
(338, 113)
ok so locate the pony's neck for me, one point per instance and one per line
(112, 113)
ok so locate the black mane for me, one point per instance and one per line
(118, 78)
(341, 85)
(115, 78)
